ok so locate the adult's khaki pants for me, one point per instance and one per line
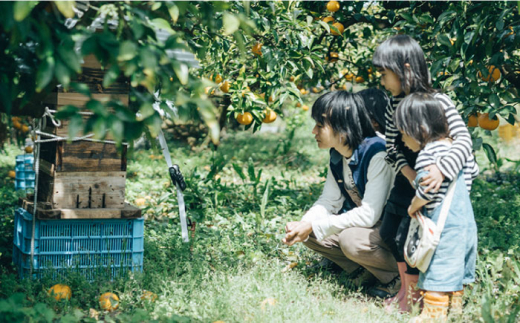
(355, 247)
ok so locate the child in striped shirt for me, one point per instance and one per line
(404, 71)
(424, 128)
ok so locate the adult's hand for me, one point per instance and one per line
(299, 231)
(291, 226)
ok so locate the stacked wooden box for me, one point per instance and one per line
(83, 178)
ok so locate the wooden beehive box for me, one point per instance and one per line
(83, 174)
(92, 75)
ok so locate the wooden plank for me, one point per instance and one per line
(90, 61)
(46, 167)
(90, 214)
(80, 100)
(89, 190)
(88, 156)
(128, 212)
(48, 151)
(44, 211)
(45, 187)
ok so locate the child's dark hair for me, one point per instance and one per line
(346, 114)
(421, 117)
(399, 50)
(376, 102)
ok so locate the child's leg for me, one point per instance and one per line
(456, 302)
(435, 308)
(393, 232)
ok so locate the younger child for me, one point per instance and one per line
(424, 128)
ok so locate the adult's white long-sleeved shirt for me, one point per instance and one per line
(323, 214)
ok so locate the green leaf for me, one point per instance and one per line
(182, 72)
(97, 107)
(70, 58)
(75, 125)
(81, 88)
(66, 8)
(444, 40)
(251, 170)
(117, 130)
(62, 74)
(111, 76)
(174, 13)
(490, 153)
(100, 128)
(127, 51)
(239, 171)
(207, 114)
(494, 101)
(325, 25)
(162, 24)
(265, 198)
(231, 23)
(23, 8)
(44, 73)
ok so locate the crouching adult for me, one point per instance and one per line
(343, 224)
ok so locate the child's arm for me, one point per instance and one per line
(409, 173)
(417, 204)
(394, 157)
(450, 165)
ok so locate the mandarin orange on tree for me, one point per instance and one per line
(245, 118)
(270, 116)
(333, 6)
(339, 27)
(493, 74)
(486, 123)
(472, 120)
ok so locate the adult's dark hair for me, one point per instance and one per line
(399, 50)
(421, 117)
(376, 102)
(346, 114)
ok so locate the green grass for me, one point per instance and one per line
(236, 266)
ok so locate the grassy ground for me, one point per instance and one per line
(236, 269)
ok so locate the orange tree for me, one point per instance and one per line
(222, 61)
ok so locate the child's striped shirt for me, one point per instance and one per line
(450, 164)
(429, 155)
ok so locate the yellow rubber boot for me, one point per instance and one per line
(456, 302)
(435, 308)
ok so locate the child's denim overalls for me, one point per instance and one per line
(453, 263)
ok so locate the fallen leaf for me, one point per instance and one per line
(289, 267)
(267, 301)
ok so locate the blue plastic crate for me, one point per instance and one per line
(91, 247)
(25, 175)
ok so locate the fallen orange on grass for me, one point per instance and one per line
(109, 301)
(59, 292)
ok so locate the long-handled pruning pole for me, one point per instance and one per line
(180, 184)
